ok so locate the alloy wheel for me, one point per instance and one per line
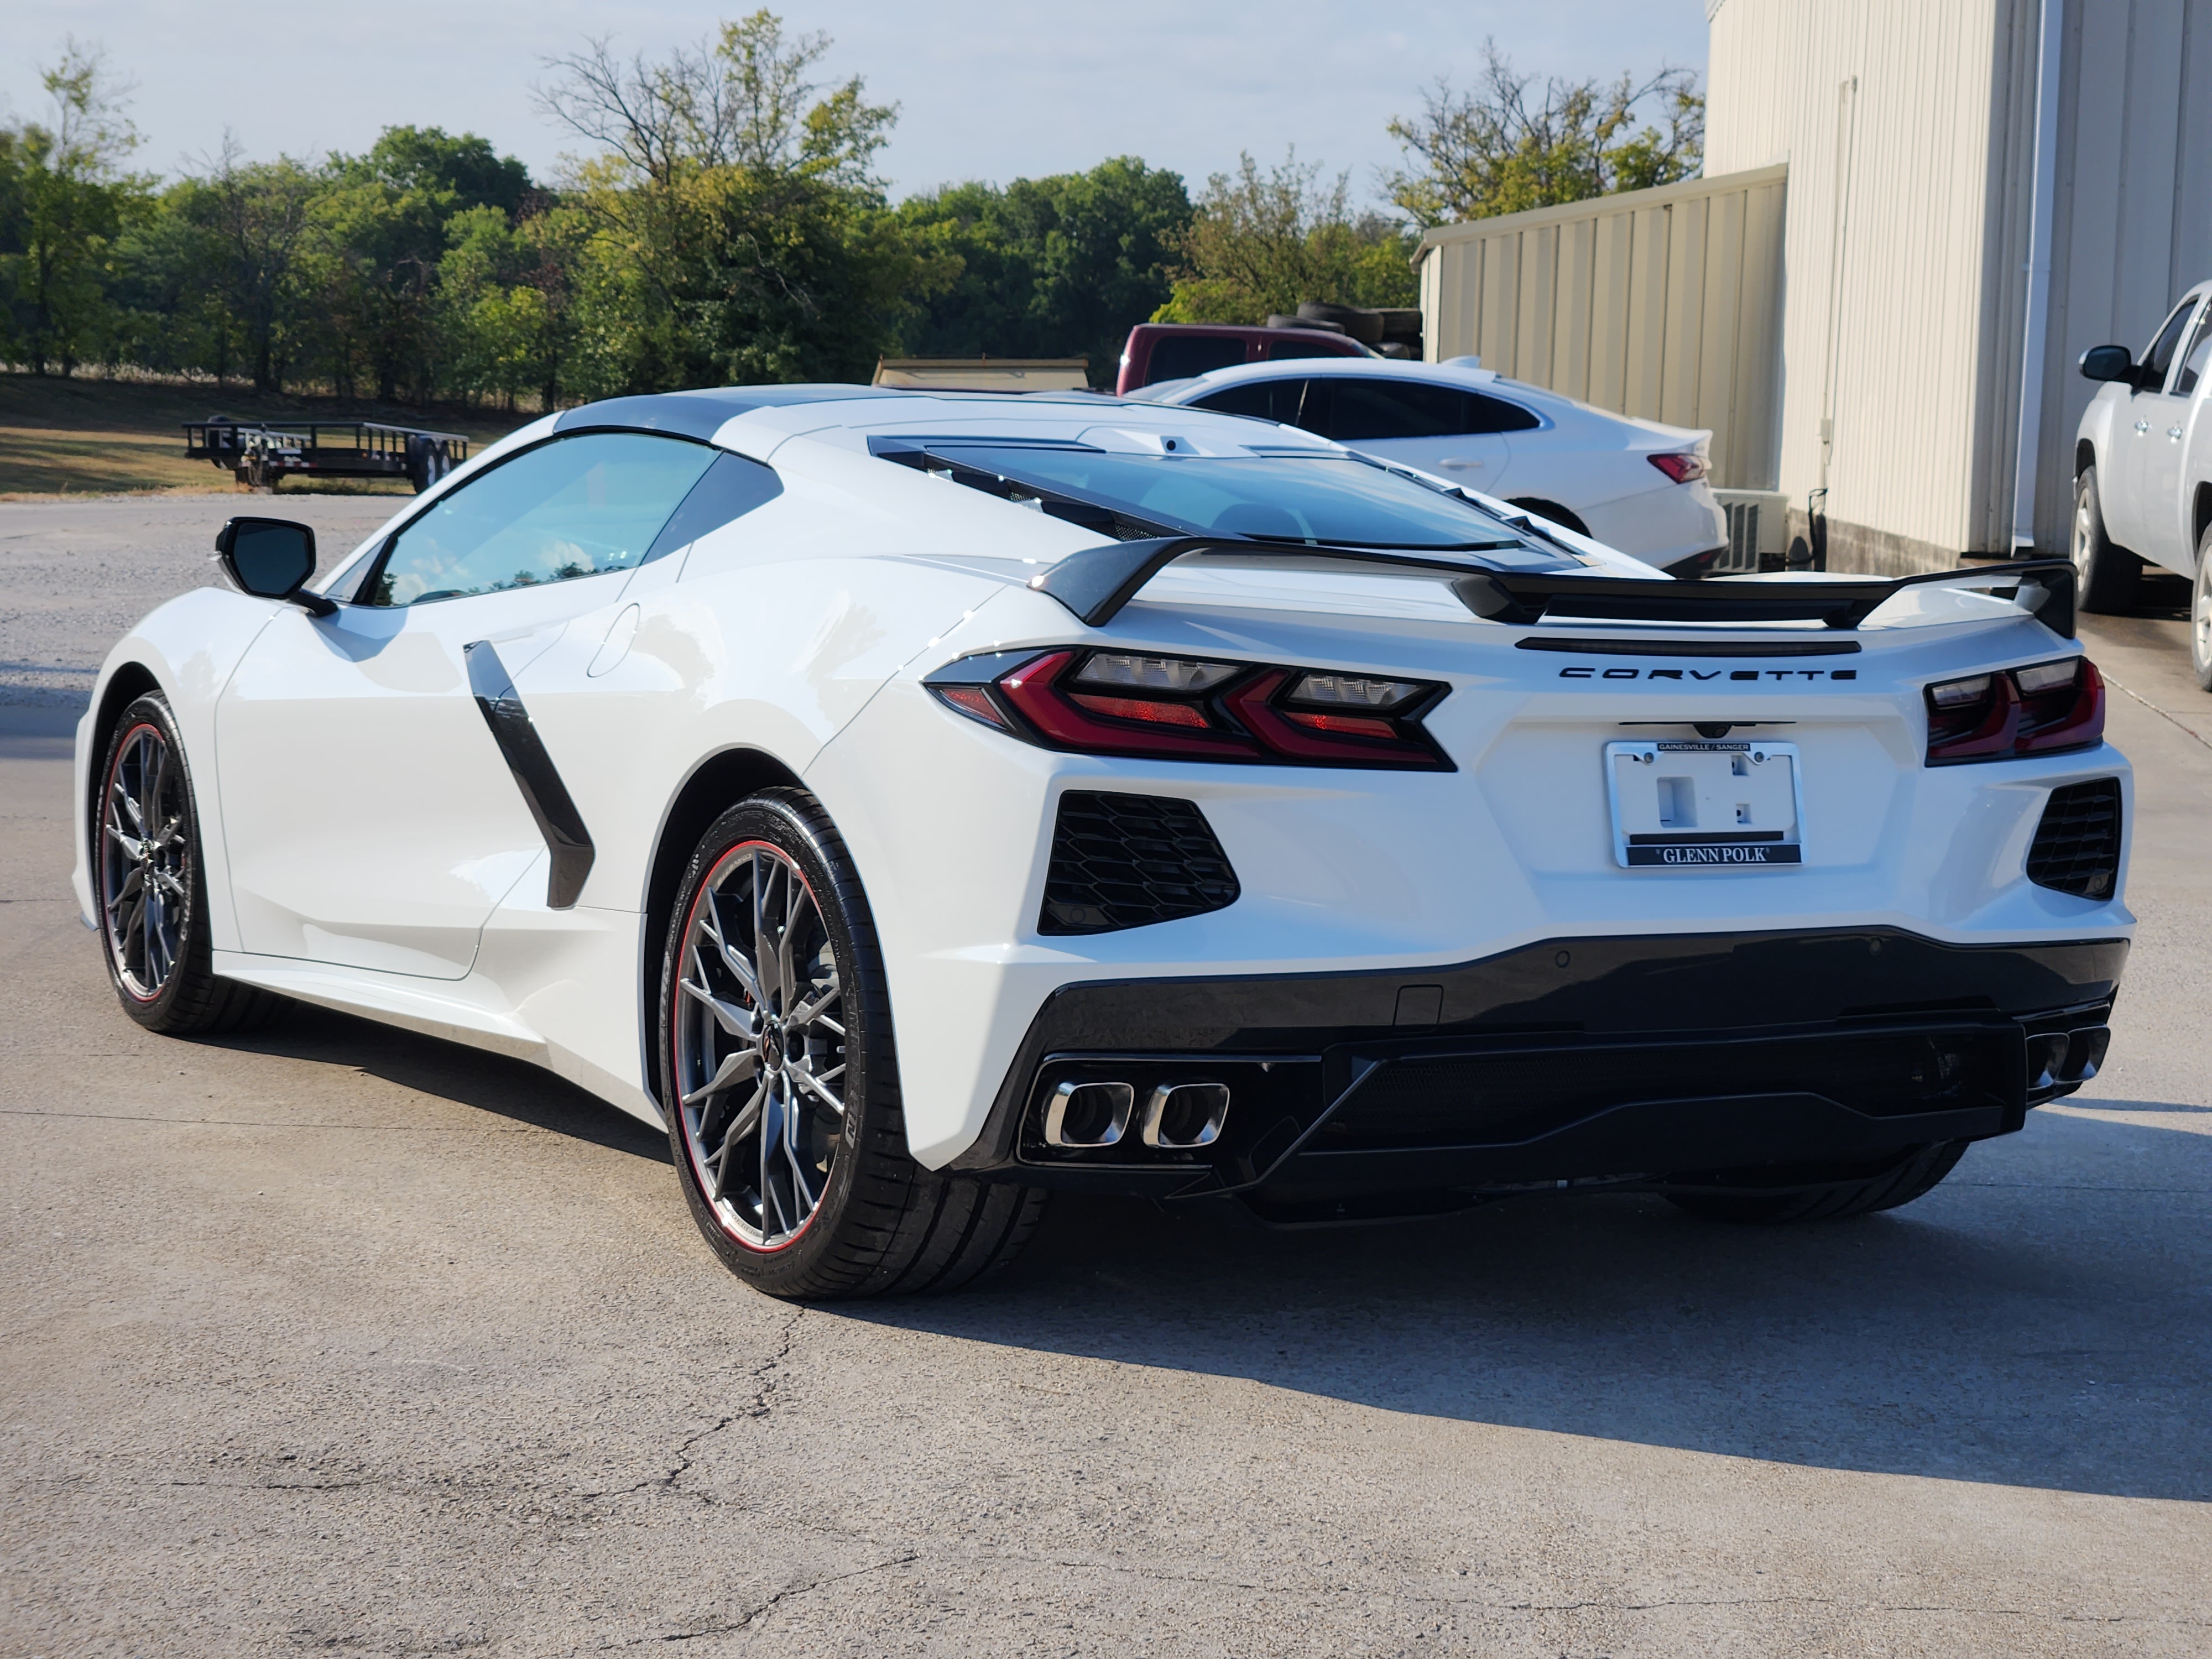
(759, 1046)
(145, 862)
(2085, 533)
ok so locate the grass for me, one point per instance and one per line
(85, 437)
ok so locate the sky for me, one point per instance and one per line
(985, 88)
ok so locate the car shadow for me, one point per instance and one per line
(2044, 1319)
(507, 1088)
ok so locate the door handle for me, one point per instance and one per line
(2142, 426)
(1462, 463)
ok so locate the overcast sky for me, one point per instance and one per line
(987, 88)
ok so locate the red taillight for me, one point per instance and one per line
(1683, 467)
(1180, 709)
(2043, 709)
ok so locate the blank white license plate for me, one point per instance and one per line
(1701, 804)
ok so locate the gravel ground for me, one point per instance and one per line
(339, 1339)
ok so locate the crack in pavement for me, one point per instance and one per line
(737, 1627)
(760, 1406)
(2172, 720)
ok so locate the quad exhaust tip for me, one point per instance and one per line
(2057, 1057)
(1179, 1117)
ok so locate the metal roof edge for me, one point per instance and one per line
(1626, 200)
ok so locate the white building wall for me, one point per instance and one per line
(1901, 122)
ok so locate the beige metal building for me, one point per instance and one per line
(1977, 191)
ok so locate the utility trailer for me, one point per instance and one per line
(262, 455)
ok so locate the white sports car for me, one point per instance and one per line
(915, 804)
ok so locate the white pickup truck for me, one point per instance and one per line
(2142, 470)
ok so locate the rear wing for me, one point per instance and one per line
(1096, 583)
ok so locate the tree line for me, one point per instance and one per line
(727, 224)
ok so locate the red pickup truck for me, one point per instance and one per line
(1177, 351)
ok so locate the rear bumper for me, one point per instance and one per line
(1644, 1059)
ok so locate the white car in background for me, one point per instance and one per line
(1635, 485)
(2142, 470)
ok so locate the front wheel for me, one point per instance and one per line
(151, 887)
(2104, 573)
(2200, 613)
(780, 1082)
(1847, 1193)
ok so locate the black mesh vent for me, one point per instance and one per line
(2077, 845)
(1493, 1099)
(1128, 860)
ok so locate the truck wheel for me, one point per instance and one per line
(780, 1084)
(1862, 1193)
(2200, 612)
(2106, 575)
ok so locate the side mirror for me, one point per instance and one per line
(271, 558)
(2108, 362)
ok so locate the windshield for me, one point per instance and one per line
(1328, 500)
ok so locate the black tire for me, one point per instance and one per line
(1863, 1193)
(163, 976)
(2200, 613)
(1552, 510)
(882, 1223)
(2105, 573)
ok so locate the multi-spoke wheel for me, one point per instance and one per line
(150, 887)
(780, 1083)
(2200, 612)
(759, 1047)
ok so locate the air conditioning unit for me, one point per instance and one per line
(1758, 530)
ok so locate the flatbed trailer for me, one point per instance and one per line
(262, 455)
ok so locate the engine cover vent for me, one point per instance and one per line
(2077, 845)
(1130, 860)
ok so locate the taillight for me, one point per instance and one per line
(2043, 709)
(1108, 702)
(1685, 466)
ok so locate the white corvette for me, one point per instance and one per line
(920, 802)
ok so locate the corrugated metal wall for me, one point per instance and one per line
(2132, 223)
(1901, 123)
(1661, 303)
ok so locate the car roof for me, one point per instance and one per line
(863, 411)
(1363, 367)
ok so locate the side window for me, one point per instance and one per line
(2196, 358)
(2159, 354)
(1184, 356)
(1263, 400)
(576, 507)
(1369, 410)
(1486, 414)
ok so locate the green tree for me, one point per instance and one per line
(258, 218)
(1503, 147)
(1266, 243)
(172, 314)
(740, 232)
(508, 296)
(1050, 267)
(64, 199)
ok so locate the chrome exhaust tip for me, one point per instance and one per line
(1085, 1115)
(1181, 1117)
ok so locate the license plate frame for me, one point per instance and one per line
(1707, 779)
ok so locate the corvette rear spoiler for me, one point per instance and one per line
(1096, 583)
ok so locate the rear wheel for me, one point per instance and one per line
(2200, 613)
(1860, 1192)
(780, 1084)
(2106, 575)
(151, 888)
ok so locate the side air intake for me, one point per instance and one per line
(1130, 860)
(2077, 845)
